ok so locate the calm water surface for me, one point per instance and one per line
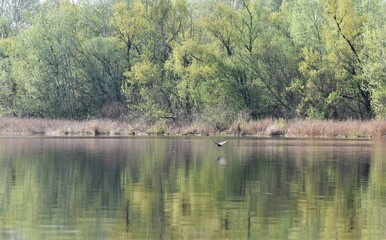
(187, 188)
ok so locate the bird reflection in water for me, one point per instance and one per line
(221, 161)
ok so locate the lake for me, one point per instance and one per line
(188, 188)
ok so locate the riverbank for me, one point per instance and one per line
(264, 127)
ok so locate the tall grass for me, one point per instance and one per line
(241, 126)
(310, 128)
(31, 126)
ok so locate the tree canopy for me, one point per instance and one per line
(185, 59)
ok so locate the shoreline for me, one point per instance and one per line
(352, 129)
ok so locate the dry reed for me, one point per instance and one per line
(251, 127)
(33, 126)
(263, 127)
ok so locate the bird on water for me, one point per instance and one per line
(219, 144)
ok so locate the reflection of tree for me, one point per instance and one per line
(52, 180)
(328, 180)
(259, 187)
(174, 188)
(373, 202)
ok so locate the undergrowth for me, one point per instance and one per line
(240, 127)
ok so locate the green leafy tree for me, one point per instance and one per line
(251, 65)
(7, 84)
(64, 68)
(46, 69)
(169, 59)
(149, 87)
(333, 84)
(374, 64)
(344, 41)
(18, 12)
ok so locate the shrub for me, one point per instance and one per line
(241, 125)
(159, 128)
(114, 110)
(274, 130)
(219, 116)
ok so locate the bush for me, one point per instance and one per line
(275, 130)
(219, 116)
(159, 128)
(114, 110)
(241, 126)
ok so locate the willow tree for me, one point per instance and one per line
(333, 84)
(63, 68)
(344, 39)
(18, 12)
(258, 60)
(7, 84)
(150, 89)
(8, 31)
(45, 69)
(374, 64)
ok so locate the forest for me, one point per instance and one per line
(183, 60)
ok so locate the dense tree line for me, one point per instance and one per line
(184, 59)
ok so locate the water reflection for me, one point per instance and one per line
(221, 161)
(181, 187)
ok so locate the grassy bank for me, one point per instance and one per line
(264, 127)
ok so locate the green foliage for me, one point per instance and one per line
(170, 60)
(334, 82)
(63, 69)
(158, 128)
(6, 86)
(220, 116)
(374, 65)
(46, 72)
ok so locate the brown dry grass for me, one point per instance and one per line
(264, 127)
(251, 127)
(311, 128)
(31, 126)
(330, 128)
(196, 128)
